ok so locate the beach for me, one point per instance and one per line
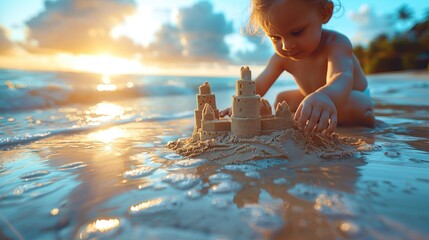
(74, 167)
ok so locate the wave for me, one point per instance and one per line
(52, 96)
(29, 90)
(9, 142)
(23, 90)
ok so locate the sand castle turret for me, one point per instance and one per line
(211, 125)
(285, 115)
(265, 107)
(203, 97)
(246, 118)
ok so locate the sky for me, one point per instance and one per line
(180, 37)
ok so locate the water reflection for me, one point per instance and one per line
(103, 225)
(100, 229)
(108, 135)
(104, 111)
(140, 190)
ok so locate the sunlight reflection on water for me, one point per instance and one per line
(107, 136)
(122, 183)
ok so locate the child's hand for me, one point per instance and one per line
(317, 109)
(225, 112)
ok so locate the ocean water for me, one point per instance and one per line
(82, 156)
(38, 104)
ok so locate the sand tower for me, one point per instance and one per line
(204, 96)
(246, 119)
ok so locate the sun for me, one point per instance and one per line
(102, 64)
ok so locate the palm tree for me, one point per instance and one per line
(405, 13)
(403, 16)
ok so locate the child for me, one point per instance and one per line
(332, 85)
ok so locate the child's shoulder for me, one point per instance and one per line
(335, 39)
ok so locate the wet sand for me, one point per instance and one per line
(103, 175)
(121, 182)
(291, 145)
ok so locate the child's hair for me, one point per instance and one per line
(261, 12)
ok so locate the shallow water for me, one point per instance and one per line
(116, 180)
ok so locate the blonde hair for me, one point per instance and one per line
(261, 12)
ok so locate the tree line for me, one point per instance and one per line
(404, 51)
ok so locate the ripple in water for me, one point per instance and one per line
(325, 201)
(305, 192)
(333, 204)
(159, 186)
(71, 166)
(142, 157)
(369, 147)
(266, 163)
(226, 187)
(181, 181)
(220, 177)
(241, 167)
(34, 174)
(105, 228)
(155, 206)
(253, 174)
(146, 159)
(144, 145)
(193, 162)
(193, 194)
(280, 181)
(221, 203)
(392, 154)
(139, 172)
(262, 218)
(173, 156)
(21, 191)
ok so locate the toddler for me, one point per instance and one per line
(332, 85)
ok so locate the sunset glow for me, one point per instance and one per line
(106, 85)
(186, 37)
(103, 64)
(107, 136)
(108, 110)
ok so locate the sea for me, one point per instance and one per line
(35, 105)
(83, 156)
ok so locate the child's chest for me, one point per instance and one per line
(309, 74)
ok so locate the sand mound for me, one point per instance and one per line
(290, 144)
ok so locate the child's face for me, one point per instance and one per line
(296, 29)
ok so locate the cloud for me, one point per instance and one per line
(203, 31)
(167, 45)
(5, 44)
(81, 27)
(259, 54)
(369, 24)
(198, 35)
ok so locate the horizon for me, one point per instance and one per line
(137, 37)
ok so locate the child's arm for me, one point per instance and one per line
(269, 75)
(339, 75)
(320, 107)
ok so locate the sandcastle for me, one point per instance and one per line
(254, 133)
(251, 114)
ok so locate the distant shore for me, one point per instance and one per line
(415, 73)
(400, 75)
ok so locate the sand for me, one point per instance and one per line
(86, 176)
(291, 145)
(243, 138)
